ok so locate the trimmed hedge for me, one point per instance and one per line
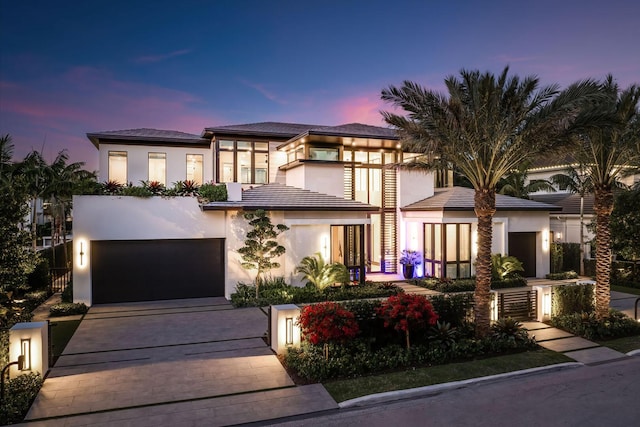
(467, 285)
(67, 309)
(19, 394)
(587, 326)
(565, 275)
(572, 299)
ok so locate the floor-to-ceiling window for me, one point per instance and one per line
(347, 247)
(368, 181)
(195, 171)
(246, 162)
(118, 166)
(447, 250)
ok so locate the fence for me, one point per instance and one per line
(517, 304)
(59, 278)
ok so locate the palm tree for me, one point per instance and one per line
(610, 153)
(63, 180)
(487, 126)
(576, 180)
(516, 184)
(32, 169)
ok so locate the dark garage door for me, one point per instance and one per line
(146, 270)
(523, 247)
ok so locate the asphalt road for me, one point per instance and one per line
(601, 395)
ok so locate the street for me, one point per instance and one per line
(601, 395)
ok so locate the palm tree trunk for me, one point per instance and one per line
(581, 235)
(603, 206)
(485, 208)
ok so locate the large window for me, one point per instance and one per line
(158, 168)
(447, 250)
(195, 172)
(118, 166)
(347, 247)
(246, 162)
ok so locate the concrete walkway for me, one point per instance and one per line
(579, 349)
(181, 362)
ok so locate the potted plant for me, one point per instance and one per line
(409, 259)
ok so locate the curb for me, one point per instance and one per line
(432, 390)
(634, 353)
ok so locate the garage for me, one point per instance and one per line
(148, 270)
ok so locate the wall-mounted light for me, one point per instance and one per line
(325, 247)
(545, 240)
(25, 352)
(81, 253)
(494, 306)
(289, 331)
(546, 304)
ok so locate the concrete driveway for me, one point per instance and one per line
(180, 362)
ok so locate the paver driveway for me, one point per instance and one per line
(134, 360)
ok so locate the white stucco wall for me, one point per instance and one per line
(133, 218)
(413, 186)
(138, 162)
(323, 178)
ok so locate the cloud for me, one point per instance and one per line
(161, 57)
(62, 108)
(271, 96)
(364, 108)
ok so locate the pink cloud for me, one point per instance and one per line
(360, 109)
(162, 56)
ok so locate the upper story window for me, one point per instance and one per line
(158, 167)
(195, 170)
(376, 157)
(246, 162)
(118, 166)
(324, 153)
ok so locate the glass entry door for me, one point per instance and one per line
(347, 247)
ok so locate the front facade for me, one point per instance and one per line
(336, 187)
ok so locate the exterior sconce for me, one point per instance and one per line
(289, 331)
(82, 254)
(494, 306)
(545, 240)
(25, 350)
(544, 309)
(325, 247)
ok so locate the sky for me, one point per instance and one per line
(72, 67)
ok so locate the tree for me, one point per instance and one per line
(16, 258)
(260, 247)
(610, 153)
(516, 184)
(32, 170)
(625, 224)
(576, 181)
(487, 126)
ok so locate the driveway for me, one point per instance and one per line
(179, 362)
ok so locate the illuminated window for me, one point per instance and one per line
(447, 250)
(246, 162)
(328, 154)
(194, 168)
(158, 167)
(118, 166)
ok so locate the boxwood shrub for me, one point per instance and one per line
(67, 309)
(19, 394)
(467, 285)
(588, 326)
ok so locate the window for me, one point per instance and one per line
(158, 168)
(118, 166)
(194, 168)
(246, 162)
(328, 154)
(447, 250)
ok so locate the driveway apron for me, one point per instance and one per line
(143, 358)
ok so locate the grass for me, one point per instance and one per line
(634, 291)
(61, 333)
(342, 390)
(623, 345)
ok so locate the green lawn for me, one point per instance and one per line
(342, 390)
(623, 345)
(61, 333)
(634, 291)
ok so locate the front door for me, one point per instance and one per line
(523, 247)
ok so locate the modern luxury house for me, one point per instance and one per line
(335, 187)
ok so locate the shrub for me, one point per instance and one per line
(20, 392)
(67, 294)
(515, 281)
(456, 309)
(503, 267)
(510, 330)
(406, 312)
(156, 188)
(39, 278)
(556, 257)
(565, 275)
(571, 299)
(132, 191)
(443, 335)
(320, 274)
(111, 188)
(67, 309)
(211, 192)
(588, 326)
(327, 322)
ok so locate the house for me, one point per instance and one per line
(335, 187)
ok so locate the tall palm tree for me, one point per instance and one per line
(487, 126)
(610, 153)
(62, 182)
(516, 184)
(576, 180)
(33, 169)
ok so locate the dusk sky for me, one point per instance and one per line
(72, 67)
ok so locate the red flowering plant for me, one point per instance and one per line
(405, 312)
(326, 323)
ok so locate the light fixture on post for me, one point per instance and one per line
(25, 352)
(289, 331)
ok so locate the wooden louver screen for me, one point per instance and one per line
(389, 221)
